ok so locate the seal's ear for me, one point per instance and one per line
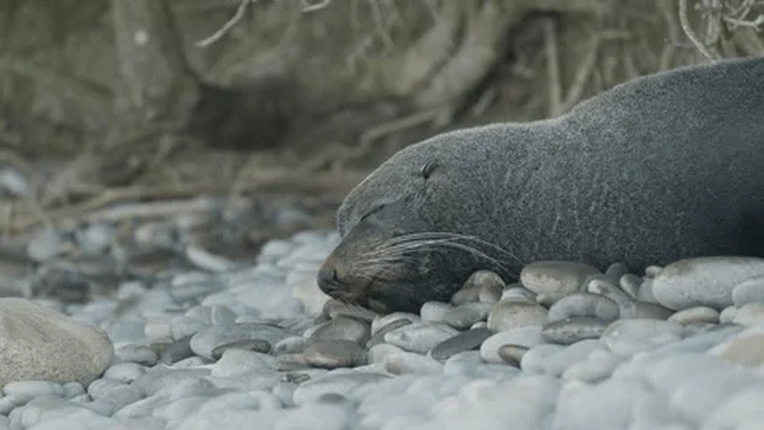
(428, 168)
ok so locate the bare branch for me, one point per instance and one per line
(553, 68)
(307, 7)
(227, 26)
(685, 22)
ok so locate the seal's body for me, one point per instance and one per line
(660, 168)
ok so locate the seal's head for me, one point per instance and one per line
(403, 233)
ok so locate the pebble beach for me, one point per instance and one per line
(216, 344)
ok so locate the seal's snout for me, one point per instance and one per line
(328, 281)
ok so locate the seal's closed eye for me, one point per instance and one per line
(372, 211)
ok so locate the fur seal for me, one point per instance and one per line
(660, 168)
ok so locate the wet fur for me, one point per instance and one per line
(660, 168)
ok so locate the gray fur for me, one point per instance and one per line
(660, 168)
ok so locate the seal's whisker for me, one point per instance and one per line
(383, 257)
(447, 239)
(402, 247)
(396, 251)
(444, 235)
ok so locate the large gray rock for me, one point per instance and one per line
(37, 343)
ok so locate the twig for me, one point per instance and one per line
(484, 101)
(742, 10)
(685, 22)
(667, 53)
(582, 75)
(755, 24)
(553, 68)
(227, 26)
(154, 209)
(33, 200)
(8, 212)
(713, 17)
(307, 7)
(278, 180)
(97, 99)
(371, 135)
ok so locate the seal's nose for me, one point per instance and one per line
(327, 279)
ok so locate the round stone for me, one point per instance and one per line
(572, 330)
(750, 315)
(125, 372)
(602, 285)
(490, 293)
(177, 351)
(222, 315)
(434, 311)
(464, 316)
(555, 278)
(749, 291)
(652, 271)
(377, 353)
(239, 361)
(630, 285)
(483, 286)
(342, 328)
(696, 315)
(33, 388)
(289, 362)
(420, 337)
(527, 336)
(383, 321)
(339, 383)
(463, 364)
(134, 353)
(513, 354)
(99, 387)
(464, 296)
(204, 342)
(557, 363)
(513, 313)
(597, 367)
(727, 316)
(533, 360)
(645, 293)
(615, 271)
(334, 353)
(290, 345)
(747, 349)
(645, 310)
(403, 363)
(184, 326)
(255, 345)
(335, 308)
(465, 341)
(628, 337)
(584, 305)
(704, 281)
(379, 336)
(483, 278)
(517, 291)
(42, 344)
(742, 410)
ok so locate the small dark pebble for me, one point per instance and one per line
(572, 330)
(256, 345)
(464, 341)
(379, 336)
(179, 350)
(512, 354)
